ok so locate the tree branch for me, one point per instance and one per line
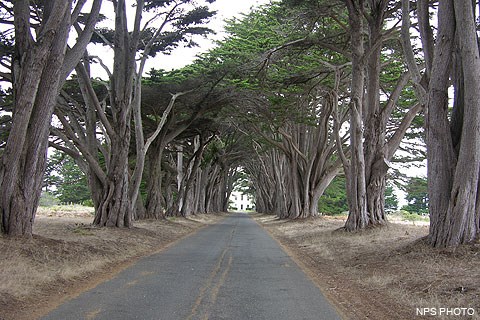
(408, 52)
(94, 99)
(69, 134)
(396, 139)
(76, 11)
(76, 52)
(163, 120)
(393, 99)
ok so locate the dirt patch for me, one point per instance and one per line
(382, 273)
(67, 256)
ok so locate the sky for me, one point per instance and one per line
(226, 9)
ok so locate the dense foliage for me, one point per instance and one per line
(64, 179)
(334, 200)
(417, 195)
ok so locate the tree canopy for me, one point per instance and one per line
(310, 101)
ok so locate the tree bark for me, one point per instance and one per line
(116, 205)
(375, 130)
(37, 67)
(454, 221)
(371, 151)
(356, 180)
(155, 203)
(440, 153)
(114, 209)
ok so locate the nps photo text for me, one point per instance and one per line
(458, 311)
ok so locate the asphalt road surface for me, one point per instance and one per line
(231, 270)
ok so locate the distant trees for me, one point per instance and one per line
(287, 109)
(391, 199)
(416, 191)
(65, 180)
(300, 79)
(360, 74)
(334, 199)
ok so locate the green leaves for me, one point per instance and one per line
(67, 182)
(417, 195)
(334, 200)
(171, 24)
(198, 15)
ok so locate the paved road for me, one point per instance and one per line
(231, 270)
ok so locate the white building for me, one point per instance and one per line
(240, 202)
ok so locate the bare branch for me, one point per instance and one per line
(82, 148)
(76, 52)
(289, 139)
(77, 10)
(163, 120)
(393, 99)
(338, 139)
(105, 40)
(408, 52)
(397, 137)
(103, 65)
(94, 99)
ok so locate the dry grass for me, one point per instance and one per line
(70, 211)
(382, 273)
(67, 255)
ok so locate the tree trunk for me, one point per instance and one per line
(456, 222)
(115, 206)
(94, 181)
(356, 180)
(280, 205)
(216, 199)
(371, 151)
(203, 190)
(188, 180)
(375, 128)
(37, 72)
(356, 191)
(376, 199)
(440, 152)
(154, 204)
